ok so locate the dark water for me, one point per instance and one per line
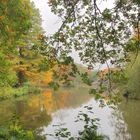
(131, 113)
(62, 107)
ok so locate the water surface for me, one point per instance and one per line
(63, 106)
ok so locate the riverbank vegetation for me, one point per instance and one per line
(133, 77)
(22, 66)
(20, 24)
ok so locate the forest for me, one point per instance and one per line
(41, 82)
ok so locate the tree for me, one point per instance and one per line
(133, 76)
(98, 35)
(14, 22)
(28, 59)
(20, 26)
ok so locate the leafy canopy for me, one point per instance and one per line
(99, 35)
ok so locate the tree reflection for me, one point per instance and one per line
(35, 111)
(121, 128)
(131, 116)
(32, 115)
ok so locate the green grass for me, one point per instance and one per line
(9, 92)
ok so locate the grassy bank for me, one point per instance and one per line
(10, 92)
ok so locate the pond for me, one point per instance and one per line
(51, 108)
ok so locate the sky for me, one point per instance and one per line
(51, 22)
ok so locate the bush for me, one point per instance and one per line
(9, 92)
(133, 74)
(15, 132)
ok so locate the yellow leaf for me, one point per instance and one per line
(2, 17)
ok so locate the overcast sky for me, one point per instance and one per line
(51, 22)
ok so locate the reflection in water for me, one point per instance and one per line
(35, 111)
(32, 116)
(42, 111)
(112, 125)
(131, 113)
(121, 129)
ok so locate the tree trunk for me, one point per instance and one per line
(21, 78)
(20, 73)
